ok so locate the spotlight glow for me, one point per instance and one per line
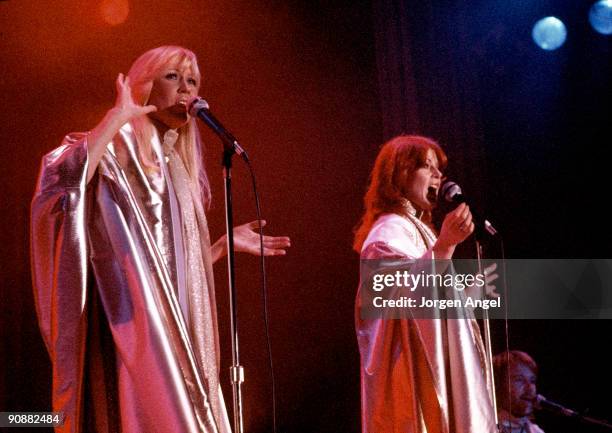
(549, 33)
(600, 17)
(114, 12)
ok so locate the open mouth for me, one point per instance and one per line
(432, 194)
(179, 108)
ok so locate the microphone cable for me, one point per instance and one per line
(264, 290)
(506, 326)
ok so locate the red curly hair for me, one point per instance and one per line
(385, 193)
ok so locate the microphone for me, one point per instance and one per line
(198, 107)
(451, 192)
(543, 404)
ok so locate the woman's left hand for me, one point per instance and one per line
(490, 290)
(246, 240)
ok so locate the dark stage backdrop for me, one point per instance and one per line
(528, 137)
(312, 89)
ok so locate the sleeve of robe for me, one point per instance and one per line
(59, 270)
(398, 389)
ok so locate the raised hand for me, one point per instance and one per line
(124, 110)
(125, 107)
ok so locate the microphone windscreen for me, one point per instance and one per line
(196, 104)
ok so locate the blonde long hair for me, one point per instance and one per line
(143, 72)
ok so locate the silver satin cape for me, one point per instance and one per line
(124, 291)
(419, 375)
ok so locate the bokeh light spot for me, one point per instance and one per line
(114, 12)
(600, 17)
(549, 33)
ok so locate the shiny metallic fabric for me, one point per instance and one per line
(419, 375)
(107, 294)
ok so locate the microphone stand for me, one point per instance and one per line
(199, 107)
(236, 370)
(487, 339)
(230, 147)
(557, 409)
(452, 193)
(594, 421)
(486, 323)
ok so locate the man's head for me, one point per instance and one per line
(515, 380)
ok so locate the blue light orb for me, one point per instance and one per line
(600, 16)
(549, 33)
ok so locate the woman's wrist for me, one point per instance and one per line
(116, 118)
(219, 248)
(443, 251)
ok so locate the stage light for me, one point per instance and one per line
(600, 16)
(114, 12)
(549, 33)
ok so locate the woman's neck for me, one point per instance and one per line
(409, 208)
(159, 126)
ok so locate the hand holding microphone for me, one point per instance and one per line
(451, 192)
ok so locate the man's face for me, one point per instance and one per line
(522, 390)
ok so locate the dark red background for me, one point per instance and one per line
(311, 90)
